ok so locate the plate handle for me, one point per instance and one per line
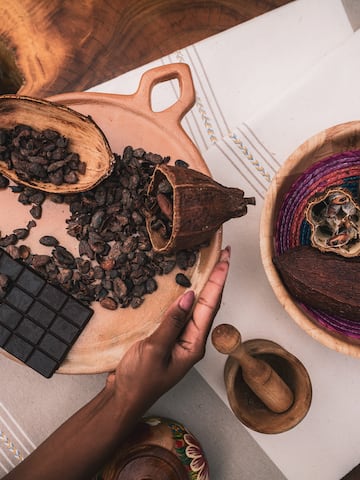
(186, 100)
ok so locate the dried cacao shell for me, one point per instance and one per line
(324, 281)
(334, 218)
(200, 205)
(87, 139)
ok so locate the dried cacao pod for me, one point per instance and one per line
(324, 281)
(85, 136)
(200, 205)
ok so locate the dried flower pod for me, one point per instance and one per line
(87, 140)
(324, 281)
(200, 205)
(334, 218)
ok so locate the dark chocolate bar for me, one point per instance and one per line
(39, 322)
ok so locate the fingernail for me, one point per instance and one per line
(225, 254)
(187, 300)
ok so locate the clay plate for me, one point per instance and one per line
(125, 120)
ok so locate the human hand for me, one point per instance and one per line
(153, 365)
(148, 369)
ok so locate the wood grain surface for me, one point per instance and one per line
(63, 46)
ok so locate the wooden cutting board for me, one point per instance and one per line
(64, 46)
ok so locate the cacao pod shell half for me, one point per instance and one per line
(200, 206)
(86, 137)
(324, 281)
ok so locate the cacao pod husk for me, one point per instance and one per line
(200, 206)
(324, 281)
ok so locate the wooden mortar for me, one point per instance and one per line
(258, 389)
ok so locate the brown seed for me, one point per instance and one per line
(4, 182)
(164, 186)
(71, 177)
(64, 275)
(21, 233)
(13, 251)
(31, 224)
(151, 285)
(181, 259)
(63, 256)
(136, 302)
(55, 166)
(107, 263)
(4, 281)
(165, 205)
(24, 252)
(49, 241)
(55, 197)
(8, 240)
(108, 303)
(182, 280)
(181, 163)
(36, 211)
(40, 260)
(37, 198)
(98, 272)
(167, 266)
(85, 249)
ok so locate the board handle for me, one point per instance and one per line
(164, 73)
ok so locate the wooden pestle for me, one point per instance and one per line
(257, 374)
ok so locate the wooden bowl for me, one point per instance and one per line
(248, 408)
(335, 140)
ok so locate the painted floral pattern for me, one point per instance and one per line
(190, 452)
(198, 462)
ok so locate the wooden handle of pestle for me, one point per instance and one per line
(259, 376)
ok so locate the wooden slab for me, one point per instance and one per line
(56, 46)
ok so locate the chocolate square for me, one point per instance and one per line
(53, 346)
(64, 329)
(30, 331)
(9, 317)
(9, 267)
(41, 314)
(30, 282)
(18, 347)
(4, 335)
(43, 364)
(76, 312)
(19, 299)
(52, 296)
